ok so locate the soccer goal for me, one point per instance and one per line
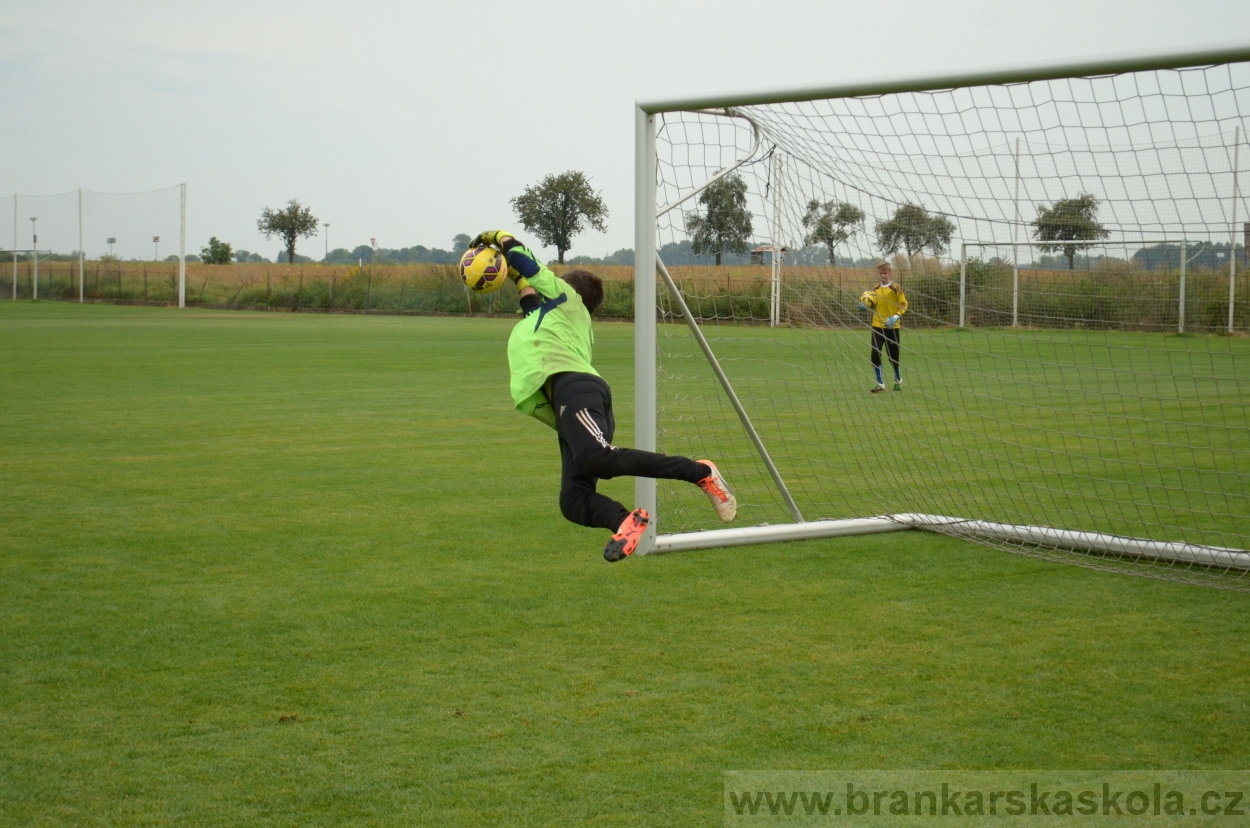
(81, 226)
(1074, 360)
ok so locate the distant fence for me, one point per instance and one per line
(1111, 298)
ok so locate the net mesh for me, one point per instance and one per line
(108, 227)
(1067, 249)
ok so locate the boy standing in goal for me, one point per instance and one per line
(549, 356)
(888, 306)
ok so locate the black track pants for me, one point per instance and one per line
(584, 421)
(888, 337)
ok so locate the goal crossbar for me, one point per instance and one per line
(1008, 75)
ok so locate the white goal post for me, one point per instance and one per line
(1073, 380)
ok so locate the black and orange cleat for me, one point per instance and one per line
(717, 491)
(625, 541)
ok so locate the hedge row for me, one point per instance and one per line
(1089, 299)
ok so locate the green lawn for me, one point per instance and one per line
(1144, 435)
(280, 569)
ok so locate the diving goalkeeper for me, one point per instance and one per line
(549, 356)
(888, 305)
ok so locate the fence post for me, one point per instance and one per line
(1180, 328)
(963, 283)
(81, 255)
(1233, 230)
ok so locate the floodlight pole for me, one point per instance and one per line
(326, 225)
(156, 248)
(34, 243)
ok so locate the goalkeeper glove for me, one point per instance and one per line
(490, 237)
(892, 321)
(862, 306)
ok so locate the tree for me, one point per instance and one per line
(1069, 225)
(558, 207)
(913, 229)
(940, 231)
(243, 256)
(217, 252)
(290, 223)
(727, 223)
(460, 243)
(831, 223)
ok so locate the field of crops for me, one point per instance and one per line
(1110, 296)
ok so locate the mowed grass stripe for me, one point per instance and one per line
(275, 569)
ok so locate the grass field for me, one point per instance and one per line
(280, 569)
(1136, 434)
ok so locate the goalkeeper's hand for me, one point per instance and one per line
(862, 306)
(891, 321)
(491, 237)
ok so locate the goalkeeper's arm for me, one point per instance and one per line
(522, 265)
(519, 257)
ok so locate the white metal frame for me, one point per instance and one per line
(647, 266)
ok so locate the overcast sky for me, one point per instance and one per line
(412, 122)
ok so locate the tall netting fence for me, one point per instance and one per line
(129, 248)
(1074, 359)
(50, 243)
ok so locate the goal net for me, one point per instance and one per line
(46, 241)
(1074, 366)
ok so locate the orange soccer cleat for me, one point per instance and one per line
(625, 541)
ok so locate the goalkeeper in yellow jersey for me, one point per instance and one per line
(888, 304)
(549, 355)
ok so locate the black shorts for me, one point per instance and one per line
(585, 425)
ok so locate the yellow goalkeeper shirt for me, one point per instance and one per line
(890, 302)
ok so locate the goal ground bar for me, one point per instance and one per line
(1042, 536)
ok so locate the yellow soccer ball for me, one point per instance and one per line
(483, 269)
(868, 298)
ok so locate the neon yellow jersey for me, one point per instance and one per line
(890, 302)
(554, 338)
